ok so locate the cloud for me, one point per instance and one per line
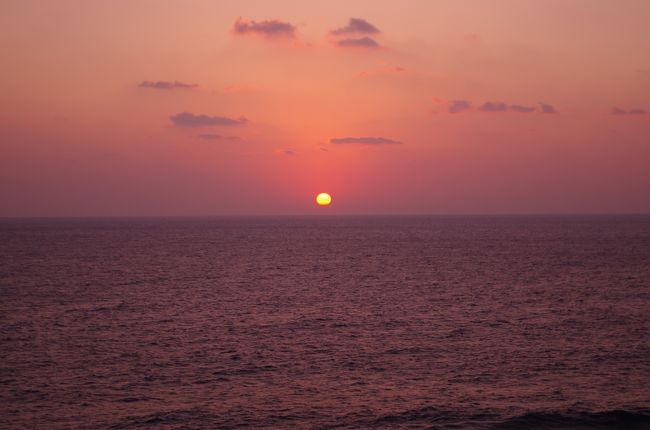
(503, 107)
(635, 111)
(522, 109)
(363, 42)
(272, 28)
(494, 107)
(364, 141)
(356, 26)
(547, 108)
(456, 106)
(187, 119)
(209, 136)
(166, 85)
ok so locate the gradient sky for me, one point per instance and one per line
(253, 107)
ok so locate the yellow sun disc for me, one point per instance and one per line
(323, 199)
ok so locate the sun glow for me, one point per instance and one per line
(323, 199)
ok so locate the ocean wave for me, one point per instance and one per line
(180, 418)
(610, 420)
(439, 419)
(429, 418)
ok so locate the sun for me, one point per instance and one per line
(323, 199)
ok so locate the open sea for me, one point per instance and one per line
(325, 323)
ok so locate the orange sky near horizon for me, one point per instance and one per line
(254, 107)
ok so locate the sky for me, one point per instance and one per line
(128, 108)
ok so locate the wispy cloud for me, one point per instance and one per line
(356, 26)
(457, 106)
(634, 111)
(270, 28)
(210, 136)
(187, 119)
(503, 107)
(522, 108)
(166, 85)
(493, 107)
(546, 108)
(363, 42)
(364, 141)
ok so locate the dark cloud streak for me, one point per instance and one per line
(546, 108)
(209, 136)
(187, 119)
(271, 28)
(356, 26)
(522, 109)
(166, 85)
(494, 107)
(456, 106)
(364, 141)
(503, 107)
(635, 111)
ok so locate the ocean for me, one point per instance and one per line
(441, 322)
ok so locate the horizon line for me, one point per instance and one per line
(351, 215)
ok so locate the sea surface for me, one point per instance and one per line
(325, 323)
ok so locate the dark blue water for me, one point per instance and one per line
(326, 323)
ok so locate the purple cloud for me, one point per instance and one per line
(503, 107)
(522, 109)
(364, 141)
(364, 42)
(635, 111)
(494, 107)
(187, 119)
(209, 136)
(166, 85)
(272, 28)
(356, 26)
(547, 108)
(456, 106)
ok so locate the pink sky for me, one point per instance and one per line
(253, 107)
